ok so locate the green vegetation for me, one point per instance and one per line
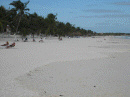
(25, 23)
(112, 34)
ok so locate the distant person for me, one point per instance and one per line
(16, 39)
(26, 39)
(41, 40)
(12, 45)
(7, 43)
(34, 40)
(60, 38)
(22, 37)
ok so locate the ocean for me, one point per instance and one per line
(123, 37)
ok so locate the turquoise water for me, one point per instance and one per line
(123, 37)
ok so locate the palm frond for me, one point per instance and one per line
(27, 9)
(26, 3)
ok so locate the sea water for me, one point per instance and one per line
(123, 37)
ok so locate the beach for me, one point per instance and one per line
(74, 67)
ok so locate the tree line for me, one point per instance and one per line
(23, 23)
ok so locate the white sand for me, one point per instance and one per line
(76, 67)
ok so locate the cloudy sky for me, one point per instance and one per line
(96, 15)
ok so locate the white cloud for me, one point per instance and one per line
(108, 16)
(122, 3)
(102, 11)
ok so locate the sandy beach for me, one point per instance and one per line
(73, 67)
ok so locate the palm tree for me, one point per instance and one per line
(3, 21)
(51, 23)
(36, 24)
(68, 28)
(20, 8)
(60, 29)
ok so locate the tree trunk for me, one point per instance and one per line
(33, 35)
(18, 24)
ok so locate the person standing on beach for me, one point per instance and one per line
(8, 30)
(41, 40)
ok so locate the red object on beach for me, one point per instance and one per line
(12, 45)
(34, 40)
(7, 43)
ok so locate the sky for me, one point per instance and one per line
(100, 16)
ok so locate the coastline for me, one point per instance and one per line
(123, 37)
(73, 67)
